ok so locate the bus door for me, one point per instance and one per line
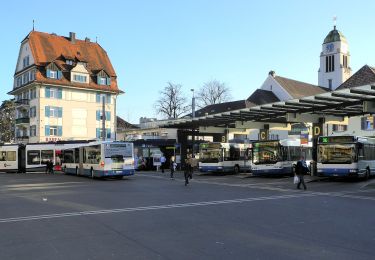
(21, 158)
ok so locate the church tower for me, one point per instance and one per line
(334, 60)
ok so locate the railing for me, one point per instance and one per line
(23, 120)
(22, 102)
(22, 137)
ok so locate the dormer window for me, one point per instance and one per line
(69, 62)
(103, 79)
(53, 72)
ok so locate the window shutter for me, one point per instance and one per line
(108, 99)
(59, 130)
(108, 116)
(108, 132)
(98, 115)
(59, 93)
(47, 130)
(47, 112)
(98, 80)
(97, 98)
(60, 111)
(48, 92)
(108, 81)
(48, 73)
(59, 74)
(97, 133)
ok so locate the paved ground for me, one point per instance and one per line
(149, 216)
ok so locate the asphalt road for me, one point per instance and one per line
(149, 216)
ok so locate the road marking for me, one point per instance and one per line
(158, 207)
(40, 184)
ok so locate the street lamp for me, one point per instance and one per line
(193, 116)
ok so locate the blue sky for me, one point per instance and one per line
(193, 42)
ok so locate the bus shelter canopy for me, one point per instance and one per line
(351, 102)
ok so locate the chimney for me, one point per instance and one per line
(272, 73)
(72, 37)
(87, 39)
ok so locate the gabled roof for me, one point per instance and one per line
(261, 96)
(221, 107)
(298, 89)
(47, 48)
(364, 76)
(122, 124)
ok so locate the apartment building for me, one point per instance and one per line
(60, 87)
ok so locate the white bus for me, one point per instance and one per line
(346, 156)
(99, 159)
(9, 158)
(278, 157)
(224, 157)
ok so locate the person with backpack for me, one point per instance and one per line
(301, 170)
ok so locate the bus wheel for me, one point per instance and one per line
(236, 169)
(92, 173)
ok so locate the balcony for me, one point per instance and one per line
(22, 120)
(22, 104)
(22, 137)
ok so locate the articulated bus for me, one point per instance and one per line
(99, 159)
(30, 157)
(277, 157)
(224, 157)
(346, 156)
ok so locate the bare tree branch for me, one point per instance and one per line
(213, 92)
(172, 103)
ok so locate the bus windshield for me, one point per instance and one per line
(266, 152)
(337, 153)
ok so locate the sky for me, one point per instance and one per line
(191, 42)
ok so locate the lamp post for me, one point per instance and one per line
(192, 116)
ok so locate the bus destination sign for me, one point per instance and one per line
(336, 139)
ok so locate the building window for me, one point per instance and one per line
(32, 112)
(367, 123)
(32, 93)
(107, 133)
(69, 62)
(104, 81)
(53, 93)
(100, 96)
(53, 111)
(345, 61)
(330, 63)
(52, 130)
(33, 130)
(26, 61)
(80, 78)
(33, 157)
(330, 84)
(99, 115)
(339, 128)
(19, 81)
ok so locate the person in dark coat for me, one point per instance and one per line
(188, 169)
(301, 170)
(173, 166)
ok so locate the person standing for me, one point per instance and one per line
(301, 170)
(188, 169)
(172, 166)
(162, 162)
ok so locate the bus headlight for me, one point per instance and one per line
(320, 170)
(220, 167)
(353, 170)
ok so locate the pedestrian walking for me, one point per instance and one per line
(188, 169)
(301, 170)
(173, 165)
(162, 162)
(50, 170)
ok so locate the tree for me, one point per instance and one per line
(7, 121)
(172, 102)
(213, 92)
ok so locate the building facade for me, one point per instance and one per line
(61, 85)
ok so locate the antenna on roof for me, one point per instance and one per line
(96, 39)
(33, 24)
(334, 22)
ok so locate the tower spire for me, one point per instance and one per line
(334, 22)
(33, 24)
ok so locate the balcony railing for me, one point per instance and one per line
(23, 120)
(22, 102)
(22, 137)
